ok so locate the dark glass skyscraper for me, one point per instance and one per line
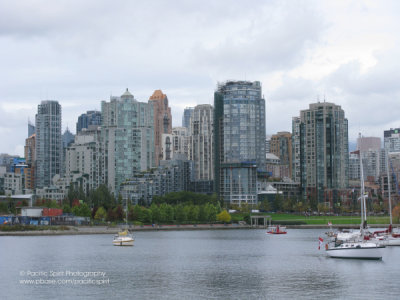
(91, 117)
(48, 142)
(239, 140)
(324, 149)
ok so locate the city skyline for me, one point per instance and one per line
(344, 52)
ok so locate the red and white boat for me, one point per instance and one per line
(276, 230)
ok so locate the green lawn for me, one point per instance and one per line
(334, 219)
(318, 220)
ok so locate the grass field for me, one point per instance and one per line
(316, 220)
(323, 220)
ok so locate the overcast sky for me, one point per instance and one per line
(81, 52)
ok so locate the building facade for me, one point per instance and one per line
(296, 167)
(127, 137)
(281, 146)
(201, 142)
(392, 140)
(162, 121)
(239, 140)
(175, 143)
(324, 149)
(187, 114)
(83, 160)
(48, 143)
(91, 117)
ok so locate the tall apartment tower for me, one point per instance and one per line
(187, 114)
(30, 158)
(201, 142)
(82, 160)
(162, 121)
(296, 167)
(281, 146)
(239, 140)
(175, 143)
(324, 153)
(127, 137)
(31, 128)
(91, 117)
(370, 148)
(48, 143)
(392, 140)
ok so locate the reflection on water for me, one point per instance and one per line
(232, 264)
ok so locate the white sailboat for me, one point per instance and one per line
(124, 238)
(355, 246)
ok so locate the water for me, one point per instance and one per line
(227, 264)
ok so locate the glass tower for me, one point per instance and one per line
(324, 149)
(128, 139)
(48, 143)
(239, 140)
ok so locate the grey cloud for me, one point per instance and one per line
(274, 39)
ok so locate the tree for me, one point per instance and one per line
(66, 208)
(82, 210)
(193, 214)
(211, 212)
(202, 214)
(135, 213)
(180, 214)
(170, 216)
(277, 204)
(3, 208)
(119, 213)
(224, 216)
(396, 213)
(264, 205)
(146, 216)
(287, 205)
(101, 214)
(155, 213)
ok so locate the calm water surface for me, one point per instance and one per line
(228, 264)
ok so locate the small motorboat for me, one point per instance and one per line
(276, 230)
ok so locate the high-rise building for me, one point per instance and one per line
(324, 154)
(370, 148)
(31, 129)
(91, 117)
(82, 160)
(175, 143)
(30, 157)
(296, 167)
(268, 144)
(127, 136)
(48, 143)
(392, 140)
(187, 114)
(281, 146)
(162, 121)
(368, 143)
(239, 140)
(354, 165)
(201, 142)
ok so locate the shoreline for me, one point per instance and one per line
(85, 230)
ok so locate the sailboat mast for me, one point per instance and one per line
(362, 199)
(388, 176)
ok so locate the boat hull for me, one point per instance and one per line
(356, 253)
(123, 242)
(390, 241)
